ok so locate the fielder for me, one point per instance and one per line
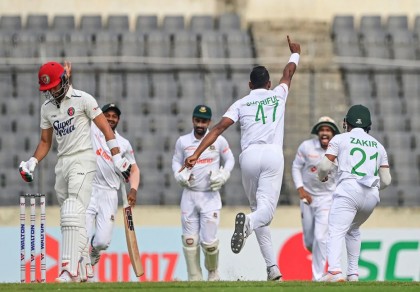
(103, 206)
(363, 170)
(67, 114)
(261, 115)
(200, 202)
(315, 196)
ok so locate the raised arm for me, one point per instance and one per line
(291, 66)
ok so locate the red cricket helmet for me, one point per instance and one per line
(50, 75)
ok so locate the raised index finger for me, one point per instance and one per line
(288, 39)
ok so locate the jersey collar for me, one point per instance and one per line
(357, 130)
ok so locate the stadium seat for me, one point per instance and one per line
(79, 45)
(173, 23)
(403, 45)
(397, 23)
(63, 23)
(239, 46)
(234, 195)
(110, 86)
(201, 22)
(91, 23)
(38, 22)
(340, 24)
(386, 85)
(158, 45)
(229, 21)
(6, 85)
(10, 23)
(410, 195)
(53, 48)
(118, 23)
(137, 85)
(84, 80)
(391, 196)
(212, 47)
(146, 23)
(27, 85)
(105, 45)
(185, 46)
(374, 43)
(370, 22)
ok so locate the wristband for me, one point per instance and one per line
(112, 143)
(294, 58)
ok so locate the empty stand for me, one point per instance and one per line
(63, 23)
(10, 23)
(229, 21)
(91, 23)
(118, 23)
(201, 22)
(342, 24)
(146, 23)
(37, 22)
(173, 23)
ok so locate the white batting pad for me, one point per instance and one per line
(211, 255)
(192, 257)
(73, 222)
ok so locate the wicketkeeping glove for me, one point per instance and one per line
(218, 178)
(26, 169)
(122, 166)
(183, 177)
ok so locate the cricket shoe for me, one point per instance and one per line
(65, 277)
(273, 274)
(94, 255)
(213, 276)
(329, 277)
(241, 232)
(353, 278)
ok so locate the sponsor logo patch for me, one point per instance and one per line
(190, 241)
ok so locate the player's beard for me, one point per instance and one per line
(200, 131)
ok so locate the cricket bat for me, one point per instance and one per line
(130, 234)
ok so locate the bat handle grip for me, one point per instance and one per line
(124, 194)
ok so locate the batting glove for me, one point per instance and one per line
(218, 178)
(184, 177)
(26, 169)
(122, 166)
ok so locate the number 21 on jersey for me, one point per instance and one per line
(362, 161)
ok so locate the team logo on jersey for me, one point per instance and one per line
(313, 169)
(45, 79)
(215, 215)
(212, 147)
(359, 121)
(71, 111)
(112, 218)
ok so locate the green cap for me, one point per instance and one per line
(325, 121)
(111, 106)
(358, 116)
(202, 111)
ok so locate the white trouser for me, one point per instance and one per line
(262, 175)
(74, 176)
(315, 231)
(200, 214)
(100, 216)
(352, 205)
